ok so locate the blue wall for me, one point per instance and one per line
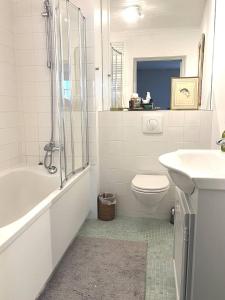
(158, 82)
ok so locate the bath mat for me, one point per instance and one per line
(100, 269)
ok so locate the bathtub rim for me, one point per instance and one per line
(33, 169)
(19, 226)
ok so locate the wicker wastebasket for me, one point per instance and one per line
(106, 206)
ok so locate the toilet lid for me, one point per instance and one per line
(150, 182)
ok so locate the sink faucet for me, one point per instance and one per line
(221, 142)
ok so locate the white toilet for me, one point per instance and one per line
(150, 189)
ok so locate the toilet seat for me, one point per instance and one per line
(150, 183)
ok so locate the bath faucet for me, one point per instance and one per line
(51, 147)
(48, 159)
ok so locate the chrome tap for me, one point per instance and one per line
(51, 147)
(221, 142)
(48, 159)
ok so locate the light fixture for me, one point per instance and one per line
(132, 14)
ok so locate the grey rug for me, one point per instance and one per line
(100, 269)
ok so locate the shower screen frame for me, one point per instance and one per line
(69, 164)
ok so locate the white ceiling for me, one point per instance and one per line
(158, 14)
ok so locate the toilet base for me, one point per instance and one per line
(149, 200)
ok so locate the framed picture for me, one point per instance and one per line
(201, 52)
(184, 93)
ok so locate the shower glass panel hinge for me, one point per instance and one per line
(186, 234)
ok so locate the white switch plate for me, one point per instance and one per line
(152, 123)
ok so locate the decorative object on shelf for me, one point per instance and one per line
(147, 106)
(201, 51)
(135, 102)
(147, 103)
(147, 99)
(184, 93)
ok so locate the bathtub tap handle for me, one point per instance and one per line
(51, 147)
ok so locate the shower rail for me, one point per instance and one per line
(51, 147)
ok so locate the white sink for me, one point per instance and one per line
(204, 169)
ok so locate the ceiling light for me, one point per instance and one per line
(131, 14)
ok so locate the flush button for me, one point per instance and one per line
(152, 123)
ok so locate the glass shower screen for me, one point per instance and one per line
(73, 100)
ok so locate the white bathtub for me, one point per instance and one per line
(38, 221)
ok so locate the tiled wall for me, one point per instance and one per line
(33, 76)
(25, 84)
(125, 151)
(10, 153)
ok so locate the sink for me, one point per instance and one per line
(190, 169)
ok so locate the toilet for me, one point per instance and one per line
(150, 189)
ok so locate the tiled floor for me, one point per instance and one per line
(159, 235)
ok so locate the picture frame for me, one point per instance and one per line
(201, 54)
(184, 93)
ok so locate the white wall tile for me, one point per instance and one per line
(125, 151)
(25, 83)
(176, 118)
(192, 118)
(31, 134)
(191, 134)
(10, 119)
(175, 134)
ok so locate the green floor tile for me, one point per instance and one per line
(160, 283)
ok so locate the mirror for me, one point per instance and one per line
(151, 42)
(153, 76)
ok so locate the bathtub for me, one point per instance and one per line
(38, 221)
